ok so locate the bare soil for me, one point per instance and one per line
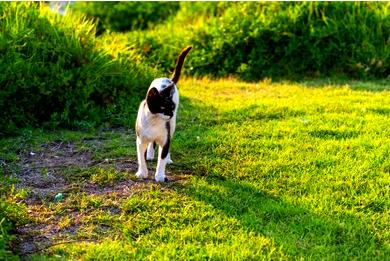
(43, 177)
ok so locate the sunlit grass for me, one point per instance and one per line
(279, 171)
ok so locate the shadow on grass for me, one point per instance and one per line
(374, 85)
(208, 116)
(381, 111)
(334, 134)
(296, 230)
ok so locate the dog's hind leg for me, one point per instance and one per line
(151, 150)
(169, 161)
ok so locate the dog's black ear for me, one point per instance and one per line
(153, 92)
(153, 99)
(168, 91)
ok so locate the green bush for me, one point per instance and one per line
(126, 16)
(12, 212)
(256, 40)
(53, 69)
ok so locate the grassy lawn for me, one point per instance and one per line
(261, 171)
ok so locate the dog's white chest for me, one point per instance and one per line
(151, 128)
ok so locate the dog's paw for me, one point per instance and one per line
(142, 174)
(169, 161)
(160, 177)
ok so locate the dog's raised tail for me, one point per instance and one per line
(179, 63)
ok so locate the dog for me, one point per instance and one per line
(156, 121)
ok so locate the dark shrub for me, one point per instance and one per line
(126, 16)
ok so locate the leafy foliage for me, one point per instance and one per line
(256, 40)
(125, 16)
(54, 70)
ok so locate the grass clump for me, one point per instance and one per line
(12, 214)
(104, 177)
(278, 40)
(56, 72)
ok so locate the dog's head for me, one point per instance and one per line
(160, 98)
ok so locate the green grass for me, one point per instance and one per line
(278, 171)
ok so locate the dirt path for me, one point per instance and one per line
(54, 170)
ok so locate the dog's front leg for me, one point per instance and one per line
(142, 168)
(162, 162)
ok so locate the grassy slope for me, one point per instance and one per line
(279, 171)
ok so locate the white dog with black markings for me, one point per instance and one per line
(156, 121)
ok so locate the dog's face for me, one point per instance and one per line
(160, 98)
